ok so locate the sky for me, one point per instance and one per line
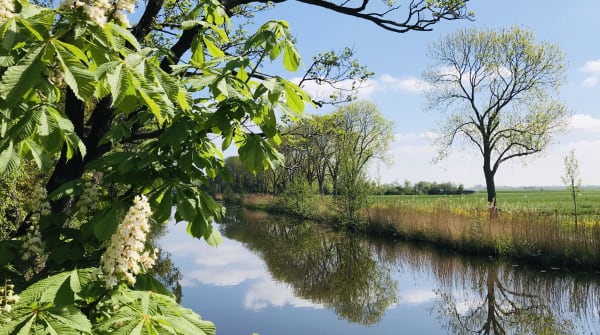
(398, 60)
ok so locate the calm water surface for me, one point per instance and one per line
(276, 276)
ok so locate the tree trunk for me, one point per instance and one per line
(574, 196)
(490, 186)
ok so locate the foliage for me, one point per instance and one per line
(20, 195)
(81, 96)
(497, 89)
(423, 187)
(361, 135)
(54, 306)
(334, 150)
(299, 199)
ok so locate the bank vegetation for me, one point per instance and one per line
(523, 234)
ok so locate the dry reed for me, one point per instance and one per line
(549, 238)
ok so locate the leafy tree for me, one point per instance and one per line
(362, 134)
(496, 88)
(572, 180)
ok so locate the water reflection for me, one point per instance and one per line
(500, 309)
(331, 269)
(491, 297)
(285, 264)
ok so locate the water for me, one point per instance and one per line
(276, 276)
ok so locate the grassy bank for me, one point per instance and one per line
(530, 226)
(543, 201)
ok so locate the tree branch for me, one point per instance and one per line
(144, 25)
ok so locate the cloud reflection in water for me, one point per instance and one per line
(229, 264)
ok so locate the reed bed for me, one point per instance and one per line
(533, 234)
(550, 238)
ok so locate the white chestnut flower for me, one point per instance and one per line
(7, 9)
(125, 256)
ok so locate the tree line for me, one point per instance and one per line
(330, 153)
(423, 188)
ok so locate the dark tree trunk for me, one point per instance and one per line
(490, 185)
(491, 188)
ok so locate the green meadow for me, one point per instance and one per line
(541, 200)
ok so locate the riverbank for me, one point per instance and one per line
(549, 239)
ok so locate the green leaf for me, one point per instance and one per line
(8, 33)
(212, 48)
(187, 207)
(151, 104)
(293, 100)
(105, 224)
(65, 190)
(147, 282)
(291, 58)
(64, 295)
(17, 80)
(41, 158)
(222, 86)
(197, 52)
(119, 81)
(198, 227)
(163, 211)
(189, 24)
(115, 29)
(9, 160)
(212, 237)
(251, 153)
(77, 76)
(151, 313)
(25, 24)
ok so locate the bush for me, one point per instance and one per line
(299, 199)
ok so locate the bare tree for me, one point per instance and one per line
(496, 88)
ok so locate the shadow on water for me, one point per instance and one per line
(354, 277)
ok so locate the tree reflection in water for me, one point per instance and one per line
(354, 277)
(328, 268)
(486, 296)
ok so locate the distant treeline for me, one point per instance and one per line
(424, 188)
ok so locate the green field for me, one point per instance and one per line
(552, 200)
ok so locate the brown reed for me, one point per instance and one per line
(548, 238)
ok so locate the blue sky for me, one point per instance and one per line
(398, 60)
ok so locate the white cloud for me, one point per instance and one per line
(388, 83)
(584, 122)
(592, 68)
(228, 264)
(590, 82)
(416, 297)
(222, 276)
(385, 83)
(267, 292)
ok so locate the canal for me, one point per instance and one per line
(273, 275)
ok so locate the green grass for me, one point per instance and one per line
(549, 201)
